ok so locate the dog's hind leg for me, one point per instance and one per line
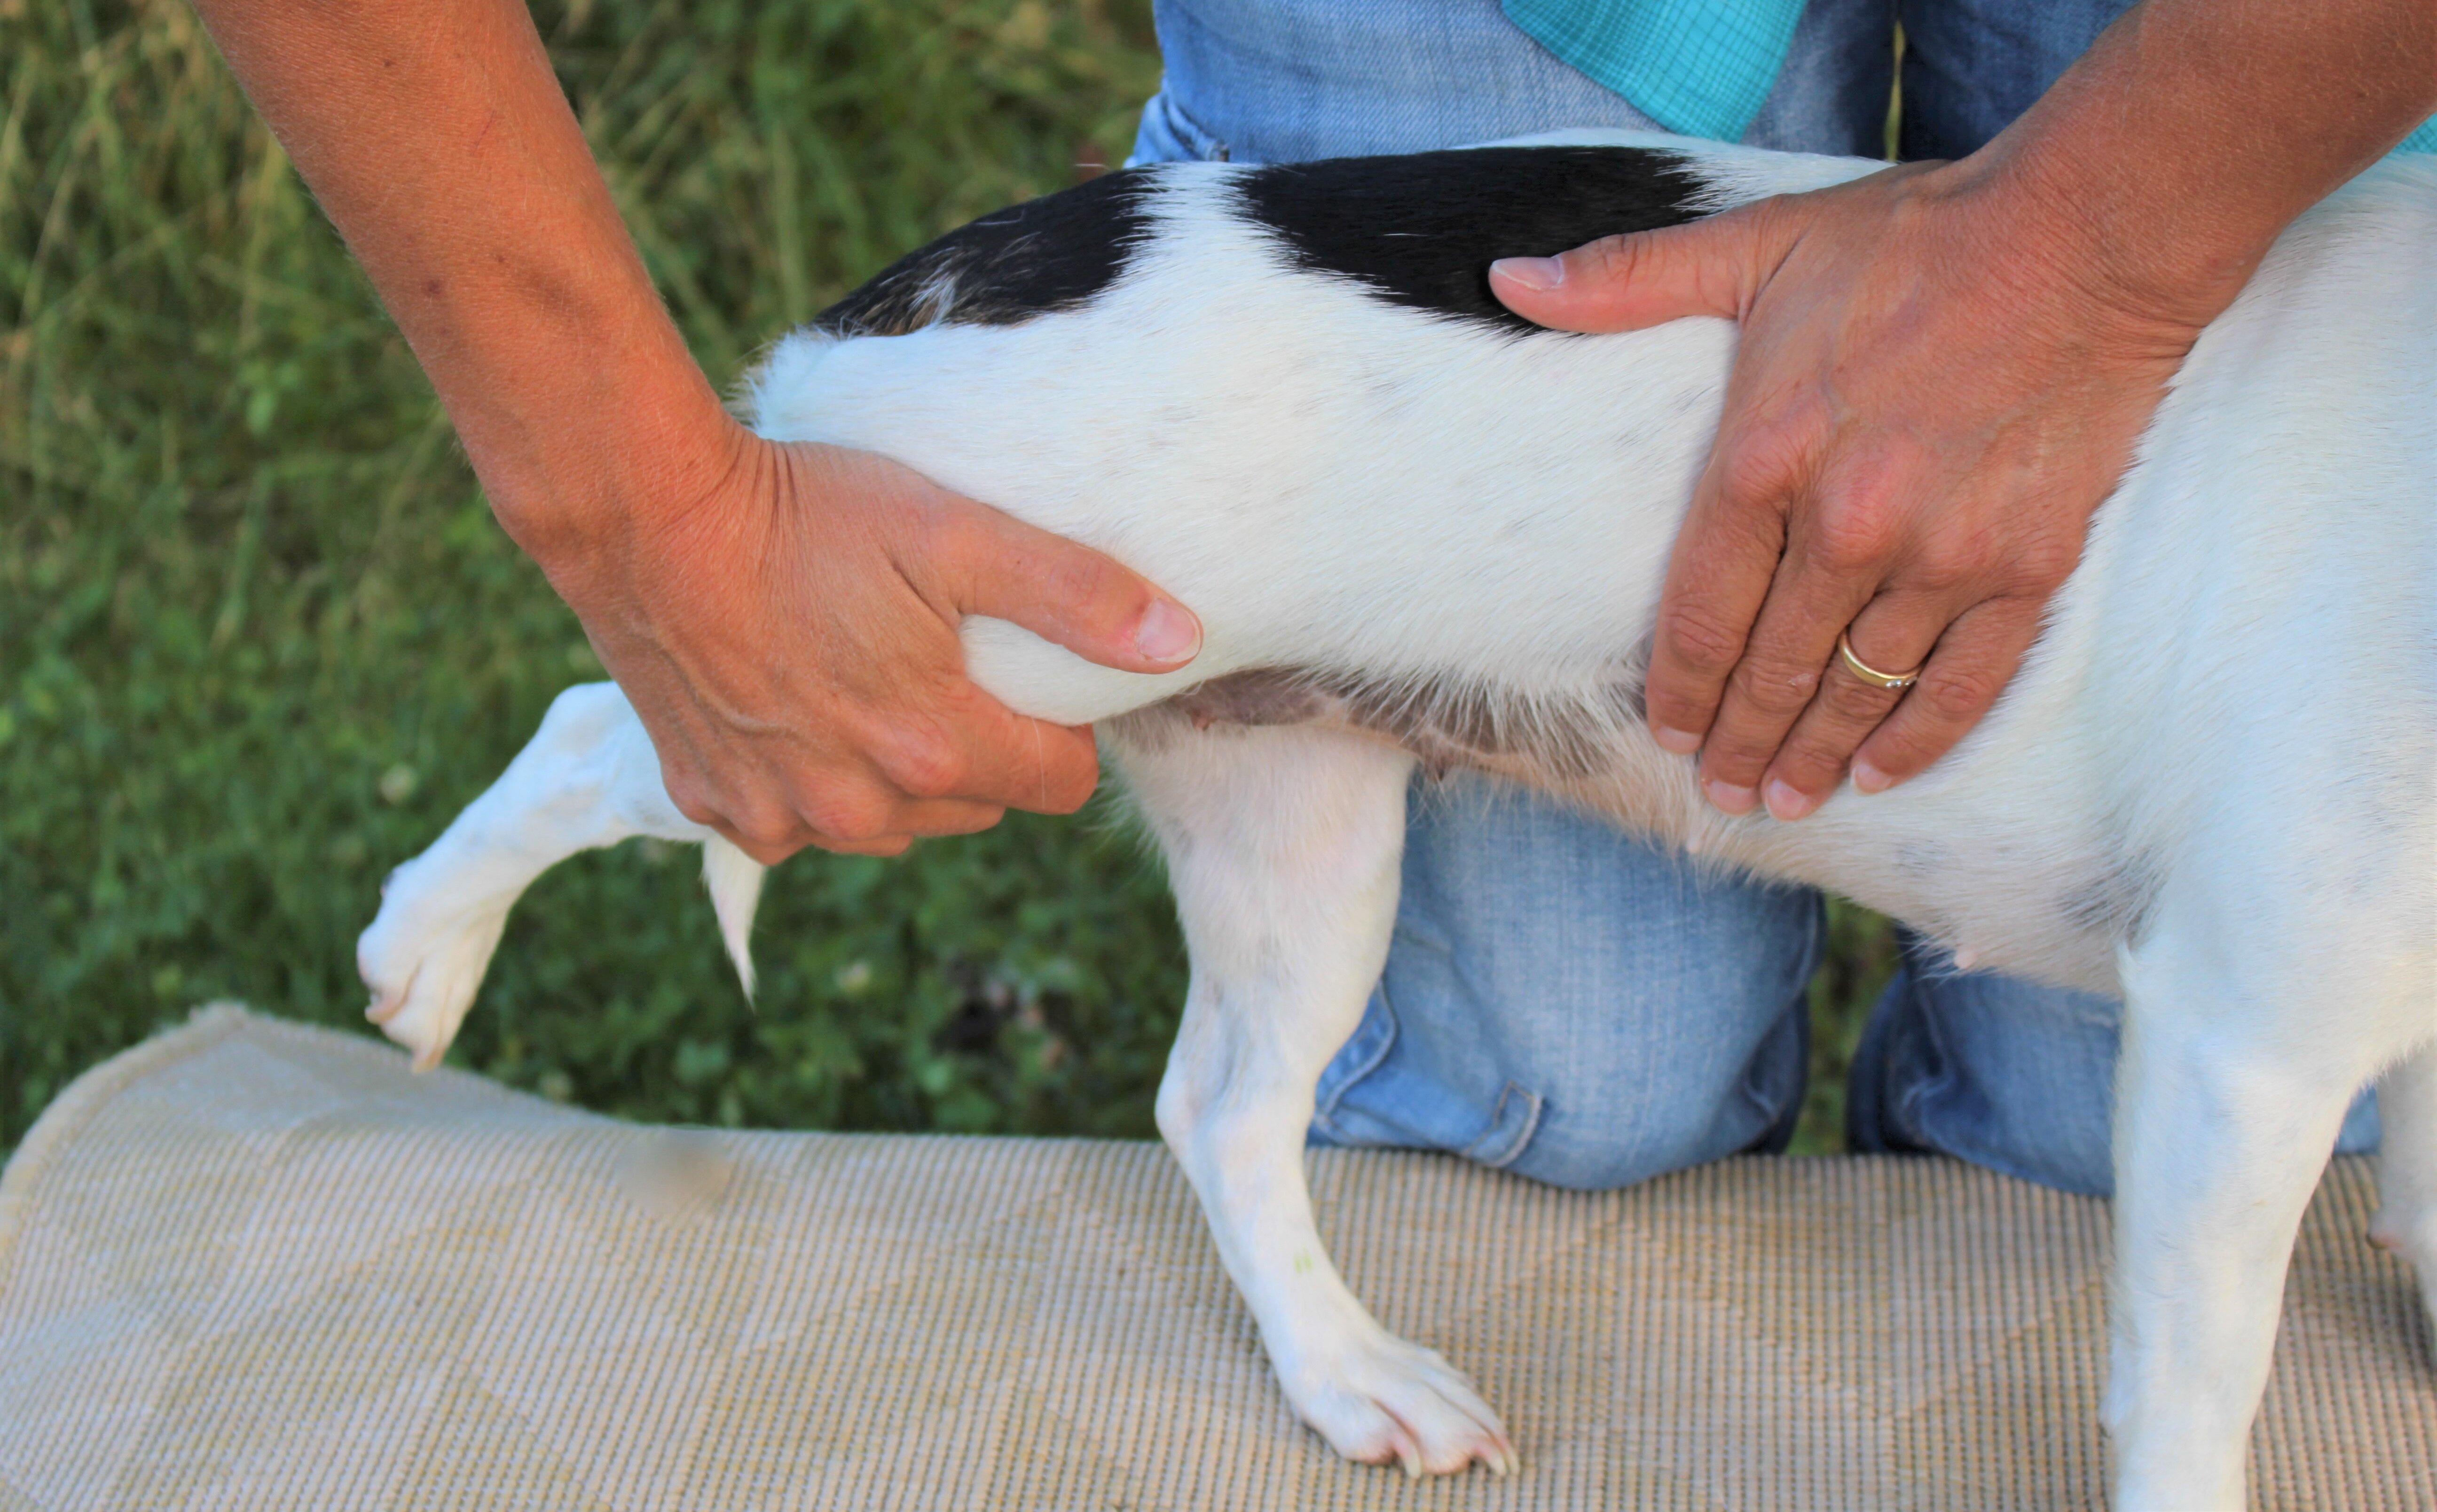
(2240, 1060)
(1283, 847)
(2407, 1166)
(588, 778)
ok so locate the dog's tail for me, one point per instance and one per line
(735, 882)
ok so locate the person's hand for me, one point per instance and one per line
(789, 638)
(1934, 391)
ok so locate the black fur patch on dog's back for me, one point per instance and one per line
(1421, 231)
(1056, 252)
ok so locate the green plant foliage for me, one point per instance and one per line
(259, 637)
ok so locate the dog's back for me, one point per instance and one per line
(1330, 445)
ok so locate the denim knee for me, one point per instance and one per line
(1572, 1004)
(2002, 1072)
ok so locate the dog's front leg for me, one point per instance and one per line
(1283, 847)
(2225, 1117)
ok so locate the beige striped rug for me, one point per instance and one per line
(256, 1265)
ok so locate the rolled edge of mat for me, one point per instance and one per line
(83, 1098)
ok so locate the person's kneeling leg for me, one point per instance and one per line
(2002, 1072)
(1572, 1004)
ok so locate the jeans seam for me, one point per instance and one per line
(1518, 1141)
(1189, 133)
(1746, 1087)
(1324, 1115)
(1906, 1107)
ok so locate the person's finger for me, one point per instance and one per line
(913, 819)
(1725, 557)
(885, 845)
(1893, 633)
(1973, 660)
(768, 832)
(971, 747)
(888, 831)
(1710, 266)
(1843, 533)
(856, 815)
(924, 819)
(990, 562)
(1779, 672)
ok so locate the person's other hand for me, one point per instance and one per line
(1934, 391)
(789, 638)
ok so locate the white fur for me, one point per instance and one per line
(2211, 786)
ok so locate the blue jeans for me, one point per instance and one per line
(1563, 1000)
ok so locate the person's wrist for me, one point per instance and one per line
(647, 476)
(2053, 252)
(2146, 235)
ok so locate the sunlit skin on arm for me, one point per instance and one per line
(782, 617)
(1944, 369)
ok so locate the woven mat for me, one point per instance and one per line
(256, 1265)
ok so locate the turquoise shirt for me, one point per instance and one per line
(1699, 67)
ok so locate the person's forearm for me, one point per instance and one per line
(2195, 131)
(783, 619)
(436, 138)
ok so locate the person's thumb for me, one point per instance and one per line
(993, 564)
(1710, 267)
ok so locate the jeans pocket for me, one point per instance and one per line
(1169, 135)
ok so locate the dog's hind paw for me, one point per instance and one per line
(423, 967)
(1382, 1401)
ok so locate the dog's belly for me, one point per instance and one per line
(2052, 909)
(1544, 741)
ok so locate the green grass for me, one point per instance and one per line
(259, 637)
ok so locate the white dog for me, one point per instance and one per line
(1419, 531)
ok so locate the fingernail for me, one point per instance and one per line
(1727, 799)
(1166, 633)
(1680, 742)
(1868, 779)
(1539, 274)
(1786, 803)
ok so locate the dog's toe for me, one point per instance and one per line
(423, 973)
(1382, 1401)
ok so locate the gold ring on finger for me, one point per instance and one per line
(1871, 675)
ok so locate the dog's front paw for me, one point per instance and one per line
(422, 961)
(1378, 1399)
